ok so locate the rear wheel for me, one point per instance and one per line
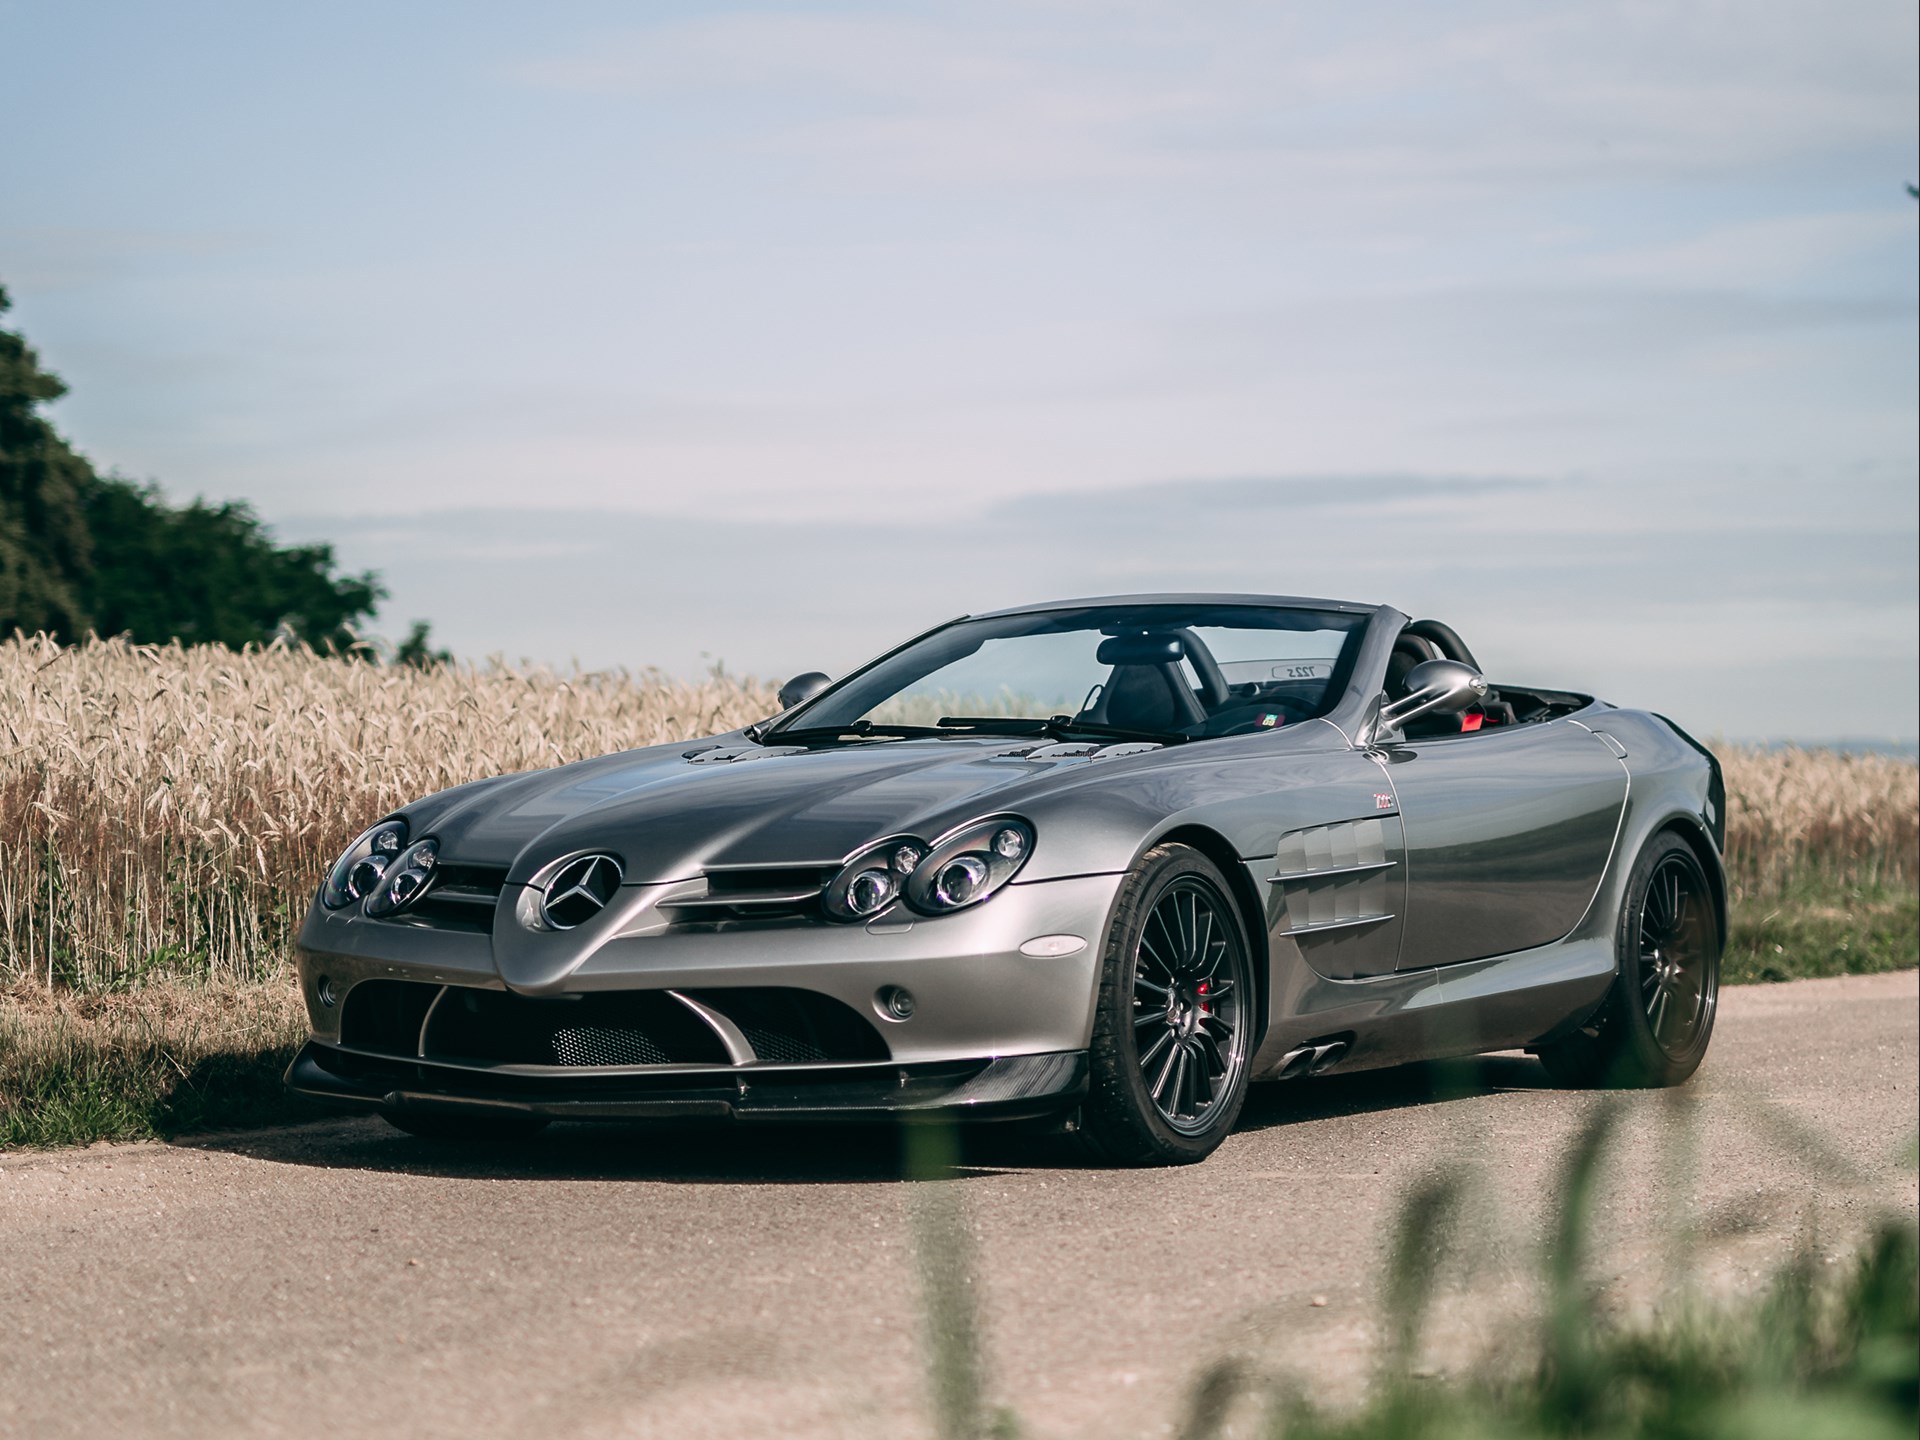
(1173, 1030)
(1655, 1023)
(447, 1125)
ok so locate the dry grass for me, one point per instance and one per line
(1821, 863)
(169, 811)
(165, 815)
(1792, 810)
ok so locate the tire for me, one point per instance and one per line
(1173, 1025)
(447, 1125)
(1653, 1027)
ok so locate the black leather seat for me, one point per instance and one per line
(1138, 697)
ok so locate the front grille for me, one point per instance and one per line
(632, 1027)
(463, 897)
(594, 1045)
(755, 892)
(612, 1029)
(787, 1049)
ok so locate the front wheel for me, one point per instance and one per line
(1655, 1023)
(1173, 1030)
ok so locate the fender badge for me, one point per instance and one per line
(1382, 802)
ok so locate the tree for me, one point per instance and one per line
(45, 557)
(203, 573)
(419, 651)
(79, 550)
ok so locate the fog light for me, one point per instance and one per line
(323, 991)
(894, 1002)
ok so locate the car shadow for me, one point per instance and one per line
(1434, 1082)
(734, 1154)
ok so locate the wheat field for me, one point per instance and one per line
(165, 813)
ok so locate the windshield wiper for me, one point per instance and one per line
(855, 730)
(1057, 726)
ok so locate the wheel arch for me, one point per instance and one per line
(1246, 898)
(1690, 830)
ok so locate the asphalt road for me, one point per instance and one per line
(340, 1279)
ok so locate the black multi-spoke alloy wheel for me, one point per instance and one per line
(1173, 1030)
(1654, 1026)
(450, 1125)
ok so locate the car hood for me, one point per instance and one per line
(669, 816)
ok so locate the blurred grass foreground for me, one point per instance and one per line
(166, 812)
(1827, 1347)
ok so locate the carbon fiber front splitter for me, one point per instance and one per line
(1014, 1087)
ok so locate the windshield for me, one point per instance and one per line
(1159, 671)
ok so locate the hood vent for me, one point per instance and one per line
(734, 754)
(1081, 750)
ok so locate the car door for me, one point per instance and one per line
(1508, 831)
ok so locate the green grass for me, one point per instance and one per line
(1823, 925)
(145, 1064)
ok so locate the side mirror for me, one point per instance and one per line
(802, 688)
(1435, 687)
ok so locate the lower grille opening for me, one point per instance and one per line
(385, 1015)
(796, 1026)
(630, 1027)
(598, 1045)
(620, 1028)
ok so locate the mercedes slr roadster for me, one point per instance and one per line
(1095, 866)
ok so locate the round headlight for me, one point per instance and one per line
(871, 881)
(960, 880)
(356, 873)
(406, 880)
(869, 892)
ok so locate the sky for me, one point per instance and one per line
(681, 334)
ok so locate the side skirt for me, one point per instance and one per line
(1501, 1003)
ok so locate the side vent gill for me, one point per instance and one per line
(1339, 877)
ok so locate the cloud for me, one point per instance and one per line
(1388, 95)
(1685, 587)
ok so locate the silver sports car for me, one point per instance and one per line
(1096, 865)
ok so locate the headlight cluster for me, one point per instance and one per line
(962, 869)
(382, 870)
(406, 879)
(356, 874)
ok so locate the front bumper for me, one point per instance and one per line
(1008, 1088)
(976, 994)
